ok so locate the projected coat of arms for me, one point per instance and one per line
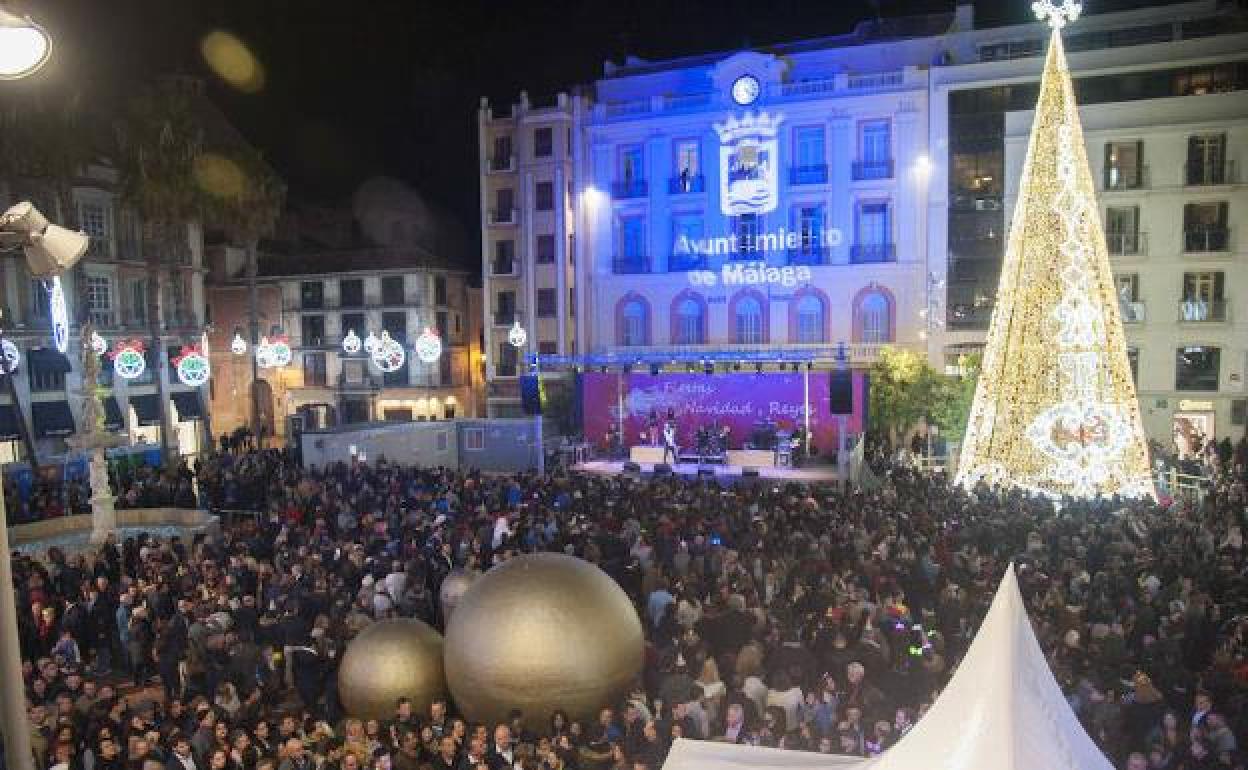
(748, 160)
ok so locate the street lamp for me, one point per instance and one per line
(24, 46)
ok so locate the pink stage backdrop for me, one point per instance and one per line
(738, 400)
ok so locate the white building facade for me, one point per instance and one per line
(857, 189)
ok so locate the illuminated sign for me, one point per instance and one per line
(749, 159)
(752, 274)
(1187, 405)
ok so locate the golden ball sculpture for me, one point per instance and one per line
(539, 633)
(454, 586)
(389, 659)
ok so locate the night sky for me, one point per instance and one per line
(358, 88)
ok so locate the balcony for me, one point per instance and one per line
(504, 216)
(182, 320)
(1203, 173)
(809, 255)
(505, 317)
(873, 169)
(1132, 311)
(629, 188)
(679, 185)
(1126, 244)
(630, 265)
(1118, 179)
(1206, 238)
(503, 266)
(361, 382)
(868, 253)
(503, 163)
(816, 174)
(680, 263)
(1204, 310)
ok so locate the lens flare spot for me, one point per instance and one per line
(232, 61)
(219, 176)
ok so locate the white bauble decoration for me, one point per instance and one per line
(12, 356)
(238, 346)
(517, 336)
(194, 369)
(351, 343)
(389, 355)
(429, 346)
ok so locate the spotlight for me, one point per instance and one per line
(654, 370)
(50, 249)
(708, 368)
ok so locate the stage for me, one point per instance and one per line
(818, 474)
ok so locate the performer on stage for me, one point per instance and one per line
(669, 441)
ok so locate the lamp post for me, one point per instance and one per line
(24, 48)
(842, 363)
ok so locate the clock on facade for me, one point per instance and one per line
(746, 89)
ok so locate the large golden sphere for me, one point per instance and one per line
(454, 586)
(390, 659)
(542, 632)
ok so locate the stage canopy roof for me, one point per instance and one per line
(1002, 709)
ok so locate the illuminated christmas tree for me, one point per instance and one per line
(1055, 409)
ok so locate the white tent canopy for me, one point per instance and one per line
(1002, 710)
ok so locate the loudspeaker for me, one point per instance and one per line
(531, 394)
(841, 392)
(662, 469)
(749, 472)
(632, 467)
(705, 472)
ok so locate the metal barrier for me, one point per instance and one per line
(1182, 485)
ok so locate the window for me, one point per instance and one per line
(873, 236)
(747, 228)
(504, 257)
(809, 228)
(136, 293)
(175, 309)
(1133, 361)
(1129, 305)
(504, 205)
(543, 142)
(1206, 159)
(38, 299)
(314, 369)
(1124, 165)
(99, 297)
(547, 348)
(545, 303)
(504, 308)
(690, 322)
(544, 196)
(545, 249)
(1204, 227)
(396, 324)
(502, 153)
(312, 330)
(686, 234)
(355, 322)
(634, 323)
(875, 321)
(507, 355)
(46, 378)
(688, 171)
(95, 220)
(351, 292)
(312, 295)
(631, 164)
(392, 292)
(808, 146)
(632, 238)
(1203, 298)
(1122, 229)
(1196, 368)
(748, 320)
(876, 142)
(810, 326)
(474, 439)
(439, 290)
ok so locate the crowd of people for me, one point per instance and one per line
(799, 616)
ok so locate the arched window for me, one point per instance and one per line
(810, 325)
(875, 318)
(749, 321)
(689, 323)
(634, 320)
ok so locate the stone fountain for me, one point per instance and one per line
(94, 440)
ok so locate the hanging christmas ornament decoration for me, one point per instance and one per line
(429, 346)
(351, 343)
(517, 336)
(370, 343)
(239, 345)
(192, 367)
(273, 353)
(389, 355)
(12, 356)
(128, 359)
(99, 345)
(59, 314)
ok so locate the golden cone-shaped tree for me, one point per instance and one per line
(1055, 409)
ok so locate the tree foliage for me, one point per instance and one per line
(905, 390)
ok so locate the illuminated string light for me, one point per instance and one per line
(59, 314)
(1055, 409)
(351, 343)
(388, 355)
(428, 346)
(238, 346)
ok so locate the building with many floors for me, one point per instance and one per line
(857, 189)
